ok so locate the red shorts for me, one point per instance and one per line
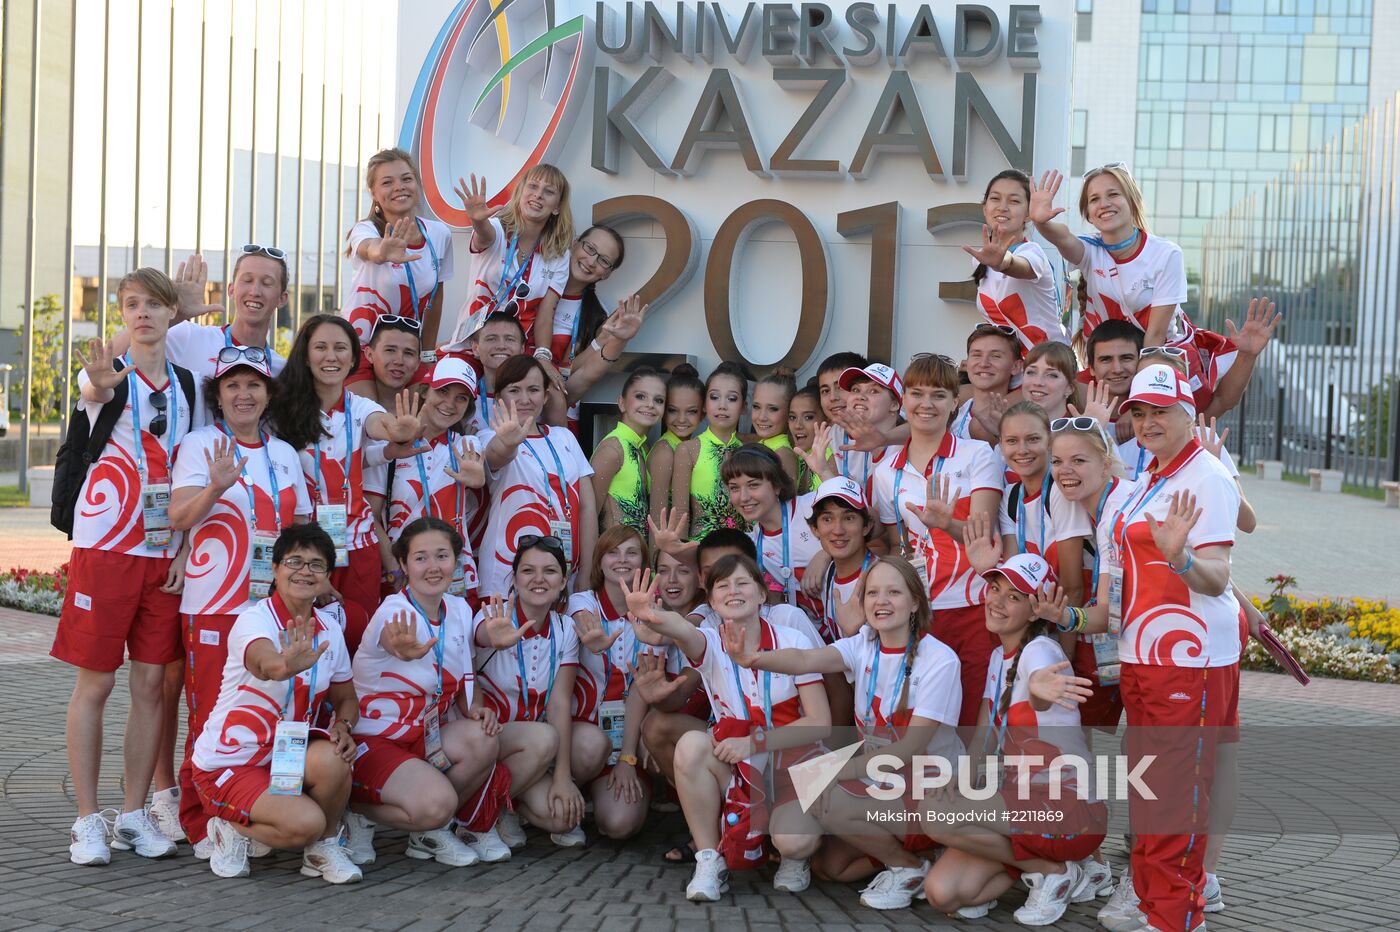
(358, 583)
(114, 608)
(1075, 835)
(965, 631)
(913, 841)
(1104, 709)
(230, 793)
(376, 763)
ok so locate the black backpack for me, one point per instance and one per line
(84, 444)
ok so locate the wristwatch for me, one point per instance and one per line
(627, 759)
(760, 739)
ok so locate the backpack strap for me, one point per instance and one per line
(186, 379)
(106, 421)
(1013, 500)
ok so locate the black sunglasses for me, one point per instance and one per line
(254, 354)
(547, 541)
(158, 423)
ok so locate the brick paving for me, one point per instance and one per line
(1276, 882)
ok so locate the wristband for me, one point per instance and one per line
(1186, 567)
(596, 346)
(605, 356)
(627, 759)
(542, 353)
(428, 357)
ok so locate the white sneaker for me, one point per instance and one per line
(257, 849)
(488, 845)
(573, 838)
(794, 875)
(203, 848)
(894, 887)
(442, 846)
(1096, 880)
(328, 859)
(1128, 920)
(135, 831)
(1049, 896)
(976, 912)
(509, 829)
(359, 837)
(229, 857)
(89, 839)
(1123, 904)
(1215, 899)
(711, 877)
(165, 813)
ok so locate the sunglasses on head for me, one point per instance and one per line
(408, 322)
(1083, 422)
(272, 252)
(1176, 352)
(253, 354)
(985, 327)
(1108, 166)
(938, 356)
(547, 541)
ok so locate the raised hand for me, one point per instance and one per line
(1043, 209)
(1057, 685)
(98, 365)
(989, 415)
(1099, 404)
(818, 455)
(1170, 535)
(471, 466)
(404, 426)
(191, 282)
(1260, 322)
(497, 622)
(981, 541)
(1208, 438)
(849, 611)
(298, 654)
(649, 677)
(995, 245)
(937, 511)
(641, 596)
(864, 436)
(223, 467)
(1050, 603)
(473, 195)
(393, 246)
(733, 636)
(669, 536)
(400, 637)
(626, 321)
(510, 427)
(593, 634)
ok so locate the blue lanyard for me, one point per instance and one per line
(408, 269)
(520, 664)
(349, 447)
(290, 705)
(442, 632)
(1098, 516)
(427, 490)
(1120, 532)
(510, 280)
(559, 471)
(1000, 727)
(1141, 461)
(789, 574)
(607, 657)
(228, 338)
(767, 690)
(248, 483)
(869, 718)
(136, 432)
(829, 600)
(898, 479)
(1045, 487)
(960, 429)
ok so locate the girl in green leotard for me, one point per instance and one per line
(695, 476)
(804, 414)
(685, 395)
(769, 414)
(620, 481)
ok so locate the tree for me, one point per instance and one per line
(46, 393)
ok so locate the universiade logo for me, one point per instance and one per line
(887, 780)
(475, 108)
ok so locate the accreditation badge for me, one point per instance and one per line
(612, 718)
(155, 514)
(289, 758)
(332, 518)
(1106, 659)
(1115, 594)
(565, 532)
(260, 565)
(432, 739)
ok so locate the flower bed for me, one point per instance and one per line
(1352, 639)
(33, 591)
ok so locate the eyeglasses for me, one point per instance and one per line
(592, 252)
(319, 567)
(158, 423)
(1176, 352)
(522, 291)
(253, 354)
(272, 252)
(395, 319)
(1082, 422)
(547, 541)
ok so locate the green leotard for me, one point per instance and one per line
(711, 508)
(672, 439)
(629, 488)
(807, 481)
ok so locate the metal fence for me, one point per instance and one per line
(1321, 240)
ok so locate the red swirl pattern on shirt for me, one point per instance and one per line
(253, 722)
(404, 706)
(221, 545)
(529, 514)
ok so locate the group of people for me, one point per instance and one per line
(396, 592)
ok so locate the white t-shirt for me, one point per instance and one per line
(196, 347)
(1135, 458)
(935, 687)
(1165, 623)
(761, 690)
(1027, 732)
(972, 467)
(219, 566)
(1031, 306)
(451, 501)
(240, 729)
(541, 654)
(394, 694)
(330, 452)
(496, 266)
(108, 514)
(380, 288)
(782, 616)
(1128, 289)
(521, 505)
(857, 465)
(604, 677)
(782, 566)
(1048, 520)
(566, 317)
(835, 590)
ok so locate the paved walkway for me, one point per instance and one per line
(1276, 882)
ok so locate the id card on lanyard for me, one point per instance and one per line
(290, 739)
(1106, 661)
(333, 516)
(785, 574)
(612, 713)
(920, 564)
(261, 540)
(560, 525)
(155, 490)
(432, 713)
(458, 586)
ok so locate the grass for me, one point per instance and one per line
(1362, 491)
(12, 497)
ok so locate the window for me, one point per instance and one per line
(1079, 141)
(1222, 6)
(1083, 20)
(1149, 6)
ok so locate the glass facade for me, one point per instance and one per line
(1231, 92)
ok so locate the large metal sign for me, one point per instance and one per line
(819, 165)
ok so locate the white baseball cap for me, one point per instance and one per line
(1027, 572)
(453, 371)
(846, 489)
(877, 372)
(1161, 386)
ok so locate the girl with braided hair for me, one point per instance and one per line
(907, 695)
(1028, 830)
